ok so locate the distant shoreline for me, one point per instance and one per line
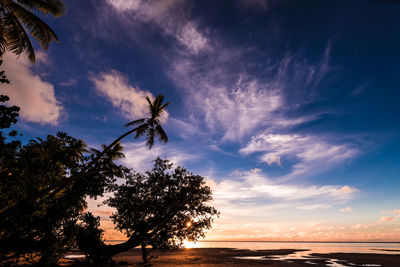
(251, 241)
(224, 257)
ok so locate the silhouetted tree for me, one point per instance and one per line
(151, 127)
(99, 160)
(156, 210)
(45, 227)
(18, 15)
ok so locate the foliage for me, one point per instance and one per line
(8, 115)
(151, 127)
(163, 207)
(89, 239)
(47, 225)
(18, 15)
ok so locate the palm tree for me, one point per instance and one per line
(16, 15)
(150, 126)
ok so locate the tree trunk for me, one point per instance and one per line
(144, 252)
(102, 254)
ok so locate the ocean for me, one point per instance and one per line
(315, 247)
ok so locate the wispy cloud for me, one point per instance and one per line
(31, 92)
(168, 15)
(129, 99)
(70, 82)
(255, 184)
(233, 102)
(387, 219)
(348, 209)
(140, 158)
(313, 153)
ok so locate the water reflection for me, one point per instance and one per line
(310, 248)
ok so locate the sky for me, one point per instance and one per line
(289, 109)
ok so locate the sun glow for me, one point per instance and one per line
(189, 244)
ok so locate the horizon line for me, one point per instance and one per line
(269, 241)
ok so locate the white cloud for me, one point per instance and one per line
(248, 196)
(231, 107)
(314, 153)
(254, 184)
(192, 38)
(344, 190)
(387, 219)
(139, 157)
(314, 207)
(129, 99)
(233, 103)
(348, 209)
(29, 91)
(167, 15)
(271, 159)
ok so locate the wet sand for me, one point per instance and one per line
(206, 257)
(360, 259)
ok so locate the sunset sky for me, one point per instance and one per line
(289, 109)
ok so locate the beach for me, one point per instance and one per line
(204, 257)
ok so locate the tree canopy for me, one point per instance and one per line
(156, 210)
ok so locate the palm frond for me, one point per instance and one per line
(150, 104)
(115, 152)
(162, 136)
(53, 7)
(150, 138)
(141, 130)
(17, 39)
(136, 122)
(3, 41)
(39, 29)
(164, 106)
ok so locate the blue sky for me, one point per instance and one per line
(288, 108)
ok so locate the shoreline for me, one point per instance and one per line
(206, 257)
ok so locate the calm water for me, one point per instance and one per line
(315, 247)
(312, 247)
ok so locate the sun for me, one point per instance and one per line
(189, 244)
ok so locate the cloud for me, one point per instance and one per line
(254, 185)
(395, 211)
(70, 82)
(139, 157)
(168, 15)
(245, 196)
(129, 99)
(348, 209)
(234, 102)
(314, 153)
(344, 190)
(230, 107)
(387, 219)
(192, 38)
(382, 220)
(29, 91)
(314, 207)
